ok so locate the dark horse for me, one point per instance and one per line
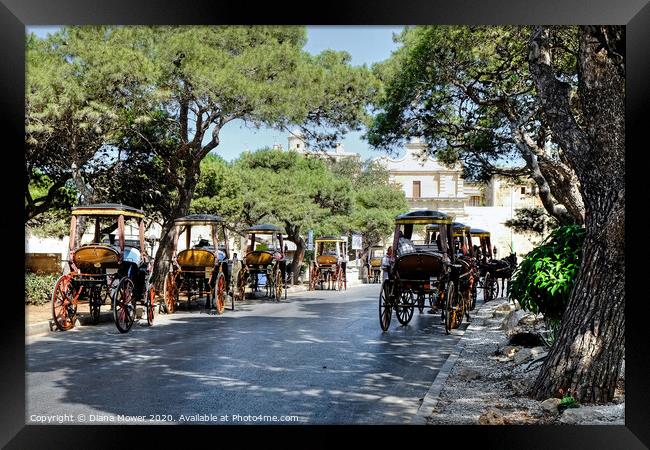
(503, 269)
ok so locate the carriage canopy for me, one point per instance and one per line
(423, 217)
(264, 228)
(107, 209)
(198, 220)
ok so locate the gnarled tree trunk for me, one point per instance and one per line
(587, 355)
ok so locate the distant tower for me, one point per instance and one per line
(296, 143)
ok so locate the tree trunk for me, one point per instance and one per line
(169, 231)
(293, 234)
(587, 355)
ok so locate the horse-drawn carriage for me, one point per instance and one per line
(329, 265)
(373, 268)
(103, 269)
(201, 269)
(265, 259)
(464, 255)
(490, 268)
(420, 270)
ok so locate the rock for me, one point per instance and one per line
(503, 309)
(512, 320)
(550, 405)
(529, 320)
(468, 374)
(491, 417)
(523, 355)
(594, 415)
(510, 351)
(520, 387)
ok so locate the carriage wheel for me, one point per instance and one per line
(170, 293)
(64, 303)
(489, 287)
(124, 305)
(453, 308)
(279, 287)
(404, 308)
(474, 291)
(385, 311)
(241, 284)
(220, 293)
(151, 304)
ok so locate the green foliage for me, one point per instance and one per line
(38, 288)
(568, 401)
(543, 281)
(461, 88)
(534, 220)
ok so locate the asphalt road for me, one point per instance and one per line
(319, 357)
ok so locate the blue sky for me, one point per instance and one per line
(366, 45)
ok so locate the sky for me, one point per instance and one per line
(365, 44)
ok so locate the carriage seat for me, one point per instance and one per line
(326, 260)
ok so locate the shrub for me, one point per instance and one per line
(543, 281)
(38, 288)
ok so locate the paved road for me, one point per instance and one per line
(320, 356)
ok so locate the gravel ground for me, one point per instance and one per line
(486, 385)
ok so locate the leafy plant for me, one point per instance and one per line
(544, 279)
(38, 288)
(567, 401)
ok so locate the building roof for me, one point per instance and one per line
(414, 160)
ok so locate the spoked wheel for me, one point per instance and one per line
(453, 308)
(474, 293)
(404, 308)
(489, 288)
(279, 286)
(170, 293)
(220, 293)
(64, 303)
(312, 278)
(241, 284)
(385, 310)
(151, 304)
(124, 305)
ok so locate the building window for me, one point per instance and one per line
(475, 200)
(416, 189)
(297, 145)
(523, 190)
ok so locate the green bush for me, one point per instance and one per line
(38, 288)
(543, 281)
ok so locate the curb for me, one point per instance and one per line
(432, 396)
(48, 326)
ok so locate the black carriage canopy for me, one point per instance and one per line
(404, 226)
(198, 219)
(99, 210)
(484, 236)
(107, 209)
(264, 228)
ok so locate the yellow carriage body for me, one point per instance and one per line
(89, 258)
(194, 258)
(258, 258)
(326, 260)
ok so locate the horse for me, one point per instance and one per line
(503, 269)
